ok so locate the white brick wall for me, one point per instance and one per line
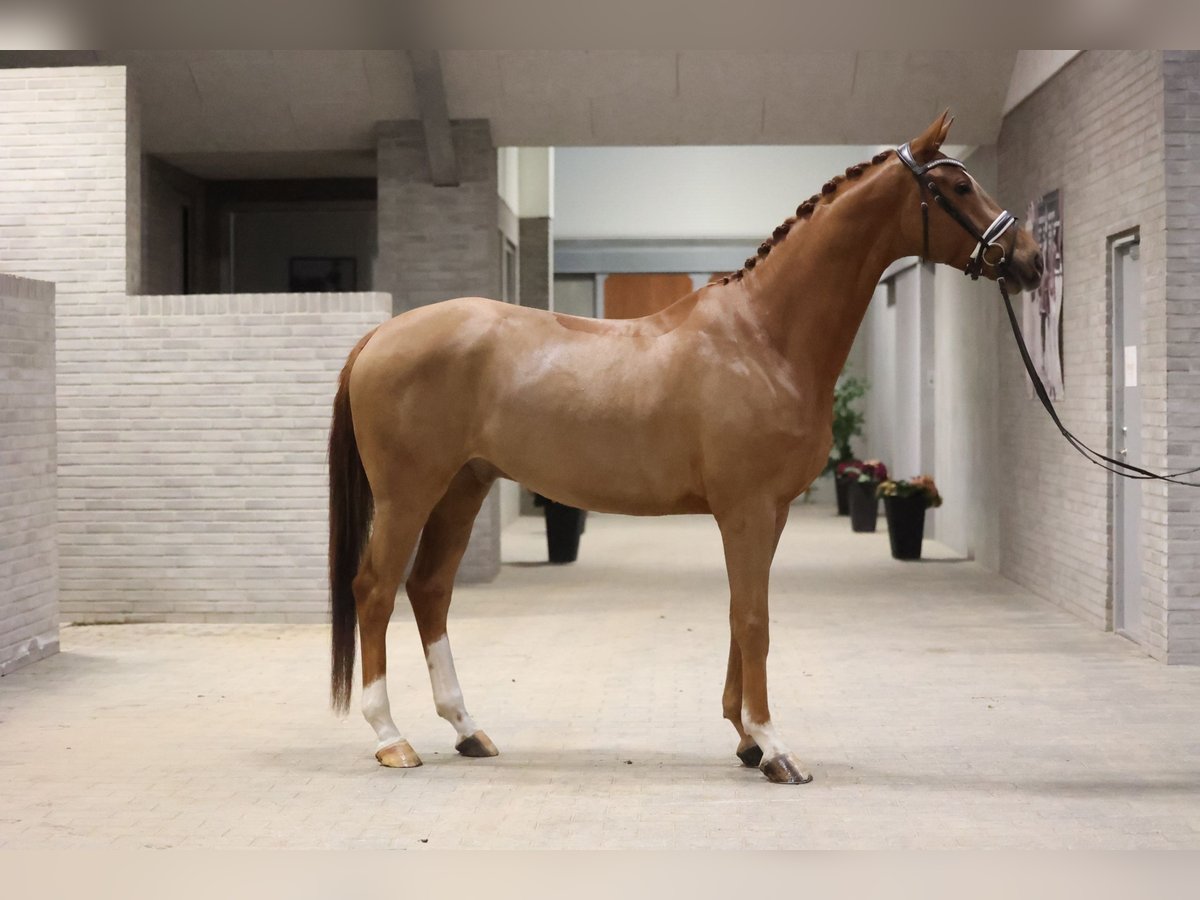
(191, 430)
(199, 488)
(64, 139)
(28, 552)
(1095, 131)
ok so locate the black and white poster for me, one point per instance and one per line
(1041, 319)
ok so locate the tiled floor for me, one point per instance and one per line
(937, 706)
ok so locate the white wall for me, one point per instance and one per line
(536, 182)
(508, 176)
(28, 545)
(899, 366)
(688, 192)
(967, 322)
(880, 329)
(204, 492)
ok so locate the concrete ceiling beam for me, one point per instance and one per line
(435, 116)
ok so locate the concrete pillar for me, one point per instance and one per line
(436, 243)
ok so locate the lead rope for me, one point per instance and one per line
(1116, 466)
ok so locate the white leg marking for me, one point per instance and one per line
(765, 735)
(447, 695)
(378, 712)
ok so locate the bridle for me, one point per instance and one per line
(985, 243)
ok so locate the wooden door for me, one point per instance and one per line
(631, 296)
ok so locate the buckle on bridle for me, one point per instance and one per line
(995, 264)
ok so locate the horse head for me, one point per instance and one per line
(960, 224)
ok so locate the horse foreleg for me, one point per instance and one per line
(375, 587)
(731, 703)
(749, 534)
(429, 590)
(748, 751)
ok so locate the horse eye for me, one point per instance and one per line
(962, 188)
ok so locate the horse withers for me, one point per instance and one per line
(721, 403)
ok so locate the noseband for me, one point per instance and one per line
(986, 242)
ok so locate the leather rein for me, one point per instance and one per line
(988, 241)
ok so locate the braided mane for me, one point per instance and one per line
(803, 212)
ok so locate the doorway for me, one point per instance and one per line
(1126, 438)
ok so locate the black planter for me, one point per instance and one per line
(841, 490)
(564, 525)
(906, 524)
(864, 505)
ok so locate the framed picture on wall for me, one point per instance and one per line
(322, 274)
(1042, 308)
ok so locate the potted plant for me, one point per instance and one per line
(841, 483)
(847, 424)
(564, 525)
(864, 504)
(905, 503)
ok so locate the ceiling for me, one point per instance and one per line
(295, 113)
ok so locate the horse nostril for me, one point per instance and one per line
(1038, 265)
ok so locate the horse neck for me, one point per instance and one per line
(811, 293)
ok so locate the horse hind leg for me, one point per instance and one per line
(430, 585)
(392, 538)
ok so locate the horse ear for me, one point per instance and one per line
(932, 138)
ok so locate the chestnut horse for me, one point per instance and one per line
(720, 404)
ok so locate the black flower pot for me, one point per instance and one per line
(864, 505)
(564, 525)
(906, 524)
(841, 488)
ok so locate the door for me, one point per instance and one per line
(1127, 438)
(631, 296)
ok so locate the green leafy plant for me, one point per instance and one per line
(847, 418)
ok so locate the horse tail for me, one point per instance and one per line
(351, 508)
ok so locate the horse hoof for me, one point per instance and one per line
(785, 769)
(398, 756)
(478, 745)
(750, 756)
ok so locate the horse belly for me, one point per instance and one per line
(609, 457)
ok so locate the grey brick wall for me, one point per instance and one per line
(1094, 131)
(1181, 84)
(436, 243)
(537, 261)
(28, 549)
(203, 491)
